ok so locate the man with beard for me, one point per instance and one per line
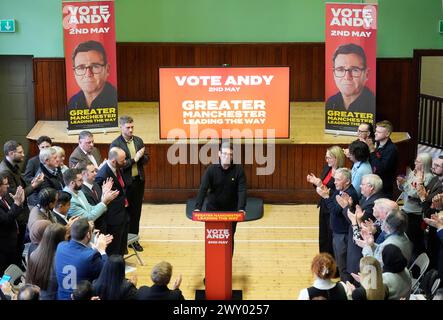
(116, 218)
(384, 157)
(80, 206)
(10, 166)
(14, 157)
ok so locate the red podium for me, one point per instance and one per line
(218, 252)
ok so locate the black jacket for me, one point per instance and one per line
(157, 292)
(50, 180)
(226, 189)
(138, 143)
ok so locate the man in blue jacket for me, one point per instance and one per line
(79, 259)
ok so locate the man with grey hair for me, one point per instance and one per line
(344, 197)
(34, 163)
(116, 217)
(381, 209)
(395, 227)
(85, 152)
(370, 186)
(52, 176)
(160, 276)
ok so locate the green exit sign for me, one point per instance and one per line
(7, 25)
(440, 26)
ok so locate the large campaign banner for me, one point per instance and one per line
(91, 69)
(350, 66)
(224, 102)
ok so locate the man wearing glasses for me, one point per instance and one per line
(91, 69)
(225, 186)
(350, 75)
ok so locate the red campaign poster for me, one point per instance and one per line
(350, 66)
(91, 69)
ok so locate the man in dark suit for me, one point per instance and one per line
(62, 206)
(85, 151)
(34, 163)
(92, 191)
(344, 197)
(224, 186)
(79, 259)
(384, 157)
(14, 156)
(116, 218)
(161, 275)
(10, 209)
(133, 172)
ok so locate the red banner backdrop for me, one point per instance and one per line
(91, 69)
(351, 49)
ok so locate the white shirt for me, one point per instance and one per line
(90, 157)
(60, 215)
(87, 184)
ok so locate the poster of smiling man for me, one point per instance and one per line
(91, 70)
(350, 66)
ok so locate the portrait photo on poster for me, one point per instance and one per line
(91, 70)
(351, 73)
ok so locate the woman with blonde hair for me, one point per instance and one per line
(323, 267)
(371, 281)
(335, 158)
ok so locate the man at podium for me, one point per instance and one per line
(224, 184)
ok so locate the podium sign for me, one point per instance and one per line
(218, 252)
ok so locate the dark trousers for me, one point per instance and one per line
(135, 194)
(119, 244)
(325, 232)
(340, 244)
(416, 234)
(432, 247)
(6, 259)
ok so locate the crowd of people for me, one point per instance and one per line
(75, 218)
(364, 233)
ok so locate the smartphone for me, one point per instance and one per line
(5, 278)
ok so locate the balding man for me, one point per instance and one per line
(116, 218)
(395, 226)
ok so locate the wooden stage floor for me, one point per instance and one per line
(307, 126)
(272, 255)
